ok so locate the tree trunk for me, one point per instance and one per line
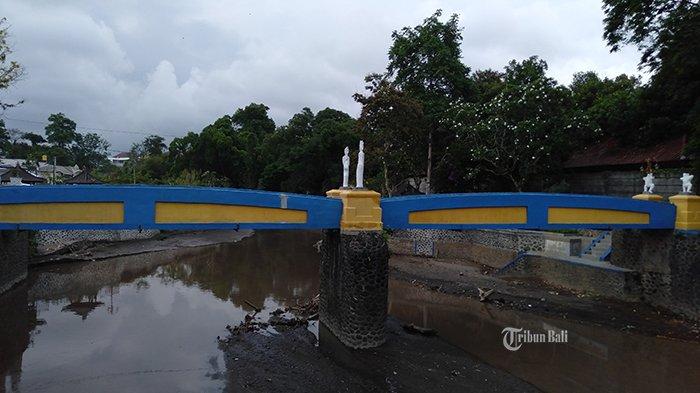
(430, 161)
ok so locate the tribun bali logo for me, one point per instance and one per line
(514, 338)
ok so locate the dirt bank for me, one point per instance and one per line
(463, 279)
(92, 251)
(295, 360)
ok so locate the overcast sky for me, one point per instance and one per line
(171, 66)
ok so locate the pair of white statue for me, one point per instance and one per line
(360, 172)
(687, 179)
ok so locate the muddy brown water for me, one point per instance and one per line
(150, 322)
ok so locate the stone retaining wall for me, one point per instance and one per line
(668, 263)
(599, 279)
(48, 242)
(488, 247)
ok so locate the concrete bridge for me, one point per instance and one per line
(354, 263)
(190, 208)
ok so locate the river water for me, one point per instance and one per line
(150, 322)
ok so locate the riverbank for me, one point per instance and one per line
(464, 279)
(165, 241)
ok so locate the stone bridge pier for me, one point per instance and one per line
(354, 272)
(14, 258)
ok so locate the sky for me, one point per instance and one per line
(125, 69)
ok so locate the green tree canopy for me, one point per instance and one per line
(668, 34)
(60, 130)
(231, 146)
(390, 123)
(523, 131)
(425, 62)
(34, 139)
(89, 151)
(304, 155)
(613, 104)
(152, 145)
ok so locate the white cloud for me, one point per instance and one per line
(174, 66)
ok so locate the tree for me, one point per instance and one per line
(4, 138)
(251, 125)
(668, 34)
(425, 62)
(651, 25)
(60, 130)
(35, 139)
(89, 151)
(612, 104)
(487, 84)
(154, 145)
(521, 134)
(10, 71)
(390, 123)
(215, 149)
(304, 155)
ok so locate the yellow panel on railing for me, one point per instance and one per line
(203, 213)
(570, 215)
(63, 213)
(471, 215)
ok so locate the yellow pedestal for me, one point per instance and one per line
(687, 211)
(648, 197)
(361, 211)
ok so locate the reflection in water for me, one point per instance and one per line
(146, 322)
(149, 322)
(595, 359)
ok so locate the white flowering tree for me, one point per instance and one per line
(522, 131)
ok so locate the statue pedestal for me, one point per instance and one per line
(648, 197)
(687, 211)
(361, 210)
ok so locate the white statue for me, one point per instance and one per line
(648, 183)
(360, 174)
(346, 167)
(687, 179)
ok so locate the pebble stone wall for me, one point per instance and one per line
(354, 286)
(48, 242)
(519, 240)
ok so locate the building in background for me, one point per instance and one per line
(13, 175)
(119, 159)
(84, 177)
(47, 171)
(611, 168)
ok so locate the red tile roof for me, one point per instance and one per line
(610, 153)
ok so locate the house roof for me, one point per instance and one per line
(124, 154)
(60, 169)
(12, 162)
(84, 177)
(611, 152)
(21, 173)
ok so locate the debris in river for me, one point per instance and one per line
(278, 320)
(413, 329)
(257, 309)
(484, 293)
(305, 309)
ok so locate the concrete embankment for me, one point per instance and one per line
(654, 268)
